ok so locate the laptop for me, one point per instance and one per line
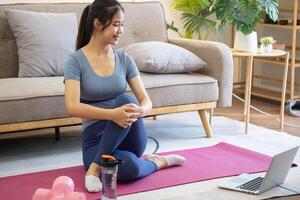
(276, 174)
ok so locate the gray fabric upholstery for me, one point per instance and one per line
(44, 40)
(32, 109)
(135, 28)
(30, 99)
(26, 88)
(162, 57)
(46, 100)
(219, 64)
(179, 89)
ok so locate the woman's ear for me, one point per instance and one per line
(97, 25)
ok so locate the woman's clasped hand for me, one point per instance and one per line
(125, 115)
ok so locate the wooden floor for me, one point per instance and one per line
(259, 119)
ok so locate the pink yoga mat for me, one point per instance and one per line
(205, 163)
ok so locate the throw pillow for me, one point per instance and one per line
(44, 40)
(161, 57)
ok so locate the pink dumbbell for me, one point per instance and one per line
(42, 194)
(62, 189)
(62, 186)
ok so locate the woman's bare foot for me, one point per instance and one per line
(93, 170)
(92, 180)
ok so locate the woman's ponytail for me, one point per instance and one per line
(84, 35)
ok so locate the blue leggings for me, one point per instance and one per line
(128, 144)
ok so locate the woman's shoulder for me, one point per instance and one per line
(75, 55)
(73, 59)
(123, 55)
(119, 51)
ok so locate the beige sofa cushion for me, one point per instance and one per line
(43, 98)
(43, 39)
(162, 57)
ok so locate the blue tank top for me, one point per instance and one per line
(97, 90)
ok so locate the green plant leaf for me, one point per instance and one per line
(271, 8)
(190, 6)
(195, 23)
(224, 9)
(172, 27)
(246, 12)
(241, 14)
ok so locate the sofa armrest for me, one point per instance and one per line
(219, 61)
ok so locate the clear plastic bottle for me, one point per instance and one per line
(109, 170)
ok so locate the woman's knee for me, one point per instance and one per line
(125, 99)
(129, 176)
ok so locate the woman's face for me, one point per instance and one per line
(113, 31)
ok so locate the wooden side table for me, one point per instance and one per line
(249, 56)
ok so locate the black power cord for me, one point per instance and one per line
(156, 142)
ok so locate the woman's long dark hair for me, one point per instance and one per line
(104, 11)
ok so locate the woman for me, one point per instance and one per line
(96, 77)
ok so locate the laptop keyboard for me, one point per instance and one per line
(252, 185)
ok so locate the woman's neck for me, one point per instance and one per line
(96, 46)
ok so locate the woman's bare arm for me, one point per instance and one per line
(139, 91)
(77, 109)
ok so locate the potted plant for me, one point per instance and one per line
(198, 18)
(266, 44)
(243, 15)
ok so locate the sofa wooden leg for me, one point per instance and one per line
(205, 123)
(211, 112)
(154, 117)
(57, 134)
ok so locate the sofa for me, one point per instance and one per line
(38, 102)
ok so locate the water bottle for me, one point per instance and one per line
(109, 169)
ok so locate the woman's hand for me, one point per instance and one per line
(136, 109)
(125, 115)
